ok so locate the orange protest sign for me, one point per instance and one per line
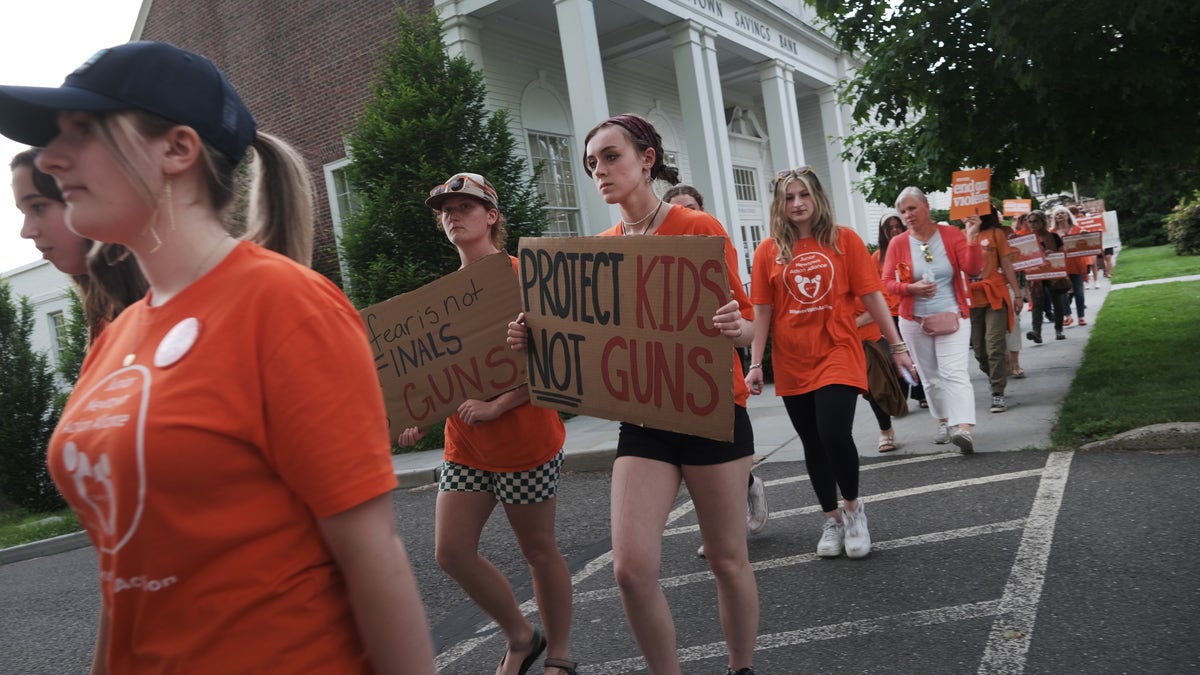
(1055, 267)
(1090, 223)
(1029, 252)
(1015, 207)
(1082, 245)
(969, 193)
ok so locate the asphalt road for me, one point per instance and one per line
(1017, 562)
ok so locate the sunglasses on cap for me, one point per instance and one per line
(461, 181)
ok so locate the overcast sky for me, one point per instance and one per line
(41, 41)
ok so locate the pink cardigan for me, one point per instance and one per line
(966, 260)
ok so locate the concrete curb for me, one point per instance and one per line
(1166, 436)
(38, 549)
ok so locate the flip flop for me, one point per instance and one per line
(1018, 373)
(537, 644)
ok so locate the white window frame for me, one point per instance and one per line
(564, 184)
(335, 171)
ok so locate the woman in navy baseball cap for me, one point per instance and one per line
(233, 477)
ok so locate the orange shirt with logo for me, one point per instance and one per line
(814, 340)
(199, 468)
(523, 438)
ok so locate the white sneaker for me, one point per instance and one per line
(858, 539)
(962, 438)
(756, 505)
(831, 542)
(942, 436)
(700, 551)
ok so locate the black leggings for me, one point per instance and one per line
(824, 420)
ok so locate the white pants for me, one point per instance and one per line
(942, 364)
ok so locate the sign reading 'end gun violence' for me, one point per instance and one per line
(446, 342)
(969, 192)
(621, 328)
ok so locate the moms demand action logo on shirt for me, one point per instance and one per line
(809, 277)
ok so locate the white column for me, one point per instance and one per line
(589, 100)
(834, 125)
(699, 81)
(783, 118)
(460, 32)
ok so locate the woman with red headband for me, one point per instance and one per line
(623, 156)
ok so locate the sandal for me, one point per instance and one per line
(537, 645)
(1018, 373)
(564, 665)
(923, 403)
(887, 442)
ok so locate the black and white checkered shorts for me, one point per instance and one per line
(520, 487)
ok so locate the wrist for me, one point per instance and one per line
(754, 366)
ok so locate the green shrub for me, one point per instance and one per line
(1183, 226)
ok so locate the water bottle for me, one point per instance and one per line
(928, 275)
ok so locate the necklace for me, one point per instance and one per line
(649, 216)
(144, 326)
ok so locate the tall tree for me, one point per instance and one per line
(427, 121)
(28, 412)
(1077, 88)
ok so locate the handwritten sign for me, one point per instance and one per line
(1015, 207)
(1029, 253)
(621, 328)
(1090, 223)
(1082, 245)
(446, 342)
(1055, 267)
(969, 193)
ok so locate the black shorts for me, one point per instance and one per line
(676, 448)
(1109, 250)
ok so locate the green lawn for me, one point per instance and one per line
(1155, 262)
(1140, 365)
(18, 526)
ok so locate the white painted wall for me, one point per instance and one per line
(46, 289)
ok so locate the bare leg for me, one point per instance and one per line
(642, 493)
(717, 492)
(533, 525)
(459, 521)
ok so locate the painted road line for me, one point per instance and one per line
(712, 650)
(1012, 631)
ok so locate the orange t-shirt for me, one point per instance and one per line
(814, 342)
(199, 470)
(991, 290)
(523, 438)
(681, 221)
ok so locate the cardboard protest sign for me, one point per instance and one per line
(1015, 207)
(446, 342)
(1029, 253)
(1090, 223)
(621, 328)
(969, 193)
(1094, 207)
(1082, 245)
(1055, 267)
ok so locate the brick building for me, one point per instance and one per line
(738, 89)
(303, 67)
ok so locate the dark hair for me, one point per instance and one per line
(684, 189)
(989, 220)
(884, 237)
(643, 136)
(113, 282)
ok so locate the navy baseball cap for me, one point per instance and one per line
(156, 77)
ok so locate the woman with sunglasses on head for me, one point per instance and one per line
(890, 225)
(927, 267)
(805, 282)
(993, 309)
(1051, 292)
(756, 496)
(623, 155)
(1077, 266)
(236, 488)
(501, 450)
(108, 281)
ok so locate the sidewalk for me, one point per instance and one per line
(1033, 404)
